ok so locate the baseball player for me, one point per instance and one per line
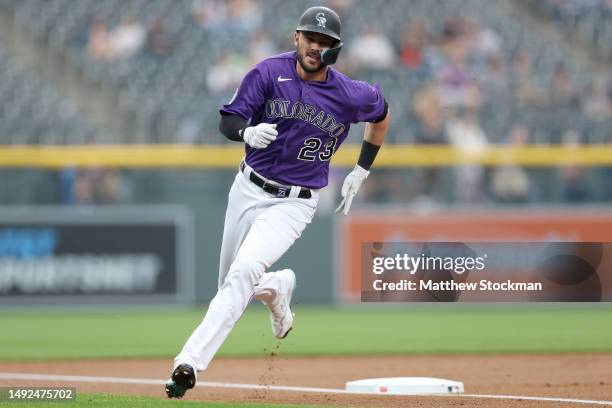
(293, 111)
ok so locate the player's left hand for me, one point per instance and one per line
(351, 185)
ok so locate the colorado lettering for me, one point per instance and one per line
(279, 108)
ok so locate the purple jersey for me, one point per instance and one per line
(313, 118)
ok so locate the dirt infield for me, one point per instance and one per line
(579, 376)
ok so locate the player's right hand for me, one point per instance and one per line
(260, 136)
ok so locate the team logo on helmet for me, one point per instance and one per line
(321, 19)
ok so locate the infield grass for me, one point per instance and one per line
(47, 334)
(122, 401)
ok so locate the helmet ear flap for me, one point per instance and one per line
(330, 55)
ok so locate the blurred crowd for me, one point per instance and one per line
(93, 185)
(128, 38)
(587, 20)
(471, 91)
(463, 67)
(465, 74)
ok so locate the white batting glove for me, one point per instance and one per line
(351, 185)
(260, 136)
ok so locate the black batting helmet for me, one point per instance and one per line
(325, 21)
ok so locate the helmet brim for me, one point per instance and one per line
(318, 29)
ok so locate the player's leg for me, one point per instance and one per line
(239, 216)
(275, 290)
(240, 213)
(274, 230)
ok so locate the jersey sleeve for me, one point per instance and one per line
(370, 102)
(249, 96)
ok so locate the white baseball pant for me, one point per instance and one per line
(259, 229)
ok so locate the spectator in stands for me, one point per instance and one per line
(98, 43)
(93, 185)
(427, 110)
(484, 41)
(413, 40)
(211, 15)
(97, 185)
(510, 183)
(597, 104)
(465, 134)
(232, 16)
(244, 15)
(526, 90)
(574, 186)
(159, 43)
(188, 130)
(109, 187)
(260, 47)
(342, 7)
(227, 73)
(387, 187)
(428, 113)
(371, 49)
(493, 80)
(67, 178)
(83, 188)
(562, 90)
(453, 78)
(127, 38)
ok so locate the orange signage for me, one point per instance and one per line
(460, 226)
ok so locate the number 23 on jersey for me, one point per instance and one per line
(312, 149)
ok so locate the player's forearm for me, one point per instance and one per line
(231, 125)
(373, 138)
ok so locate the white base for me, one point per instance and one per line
(405, 386)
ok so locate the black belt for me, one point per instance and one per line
(277, 190)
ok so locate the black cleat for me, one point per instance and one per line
(183, 379)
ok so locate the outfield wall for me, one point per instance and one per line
(203, 193)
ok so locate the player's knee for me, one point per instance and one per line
(248, 270)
